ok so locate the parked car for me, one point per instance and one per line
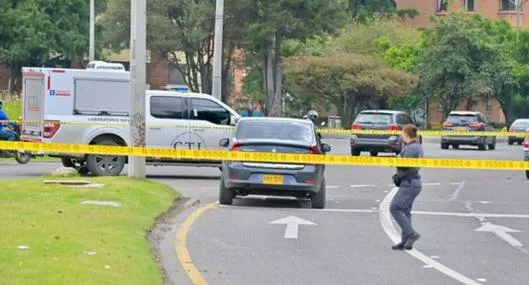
(526, 153)
(467, 121)
(379, 120)
(519, 125)
(280, 135)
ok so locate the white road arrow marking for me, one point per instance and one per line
(292, 223)
(501, 232)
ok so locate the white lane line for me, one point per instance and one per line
(362, 185)
(431, 184)
(482, 279)
(332, 186)
(473, 215)
(456, 192)
(391, 232)
(450, 214)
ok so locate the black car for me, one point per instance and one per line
(379, 120)
(468, 121)
(279, 135)
(519, 125)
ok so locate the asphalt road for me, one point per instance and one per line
(474, 227)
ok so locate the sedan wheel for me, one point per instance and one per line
(318, 199)
(225, 195)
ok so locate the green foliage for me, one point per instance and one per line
(350, 81)
(362, 38)
(253, 86)
(43, 32)
(464, 59)
(364, 10)
(404, 57)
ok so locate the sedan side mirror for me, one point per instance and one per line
(325, 148)
(224, 142)
(233, 120)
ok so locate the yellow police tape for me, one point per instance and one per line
(425, 133)
(220, 155)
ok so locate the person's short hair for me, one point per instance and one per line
(410, 130)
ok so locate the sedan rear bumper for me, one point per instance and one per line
(465, 140)
(378, 145)
(293, 182)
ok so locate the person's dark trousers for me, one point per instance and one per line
(402, 204)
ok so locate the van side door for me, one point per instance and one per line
(167, 124)
(209, 122)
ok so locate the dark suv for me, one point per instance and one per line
(467, 121)
(379, 120)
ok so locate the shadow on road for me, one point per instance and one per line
(270, 202)
(183, 177)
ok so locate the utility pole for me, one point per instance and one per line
(216, 89)
(91, 52)
(138, 58)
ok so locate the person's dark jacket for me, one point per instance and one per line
(411, 150)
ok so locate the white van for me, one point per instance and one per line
(79, 97)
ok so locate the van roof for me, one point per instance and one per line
(177, 93)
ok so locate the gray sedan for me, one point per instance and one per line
(276, 179)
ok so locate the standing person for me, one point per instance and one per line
(409, 181)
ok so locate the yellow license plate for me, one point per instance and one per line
(461, 129)
(273, 179)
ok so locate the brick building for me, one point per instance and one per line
(492, 9)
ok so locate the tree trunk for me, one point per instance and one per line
(226, 72)
(16, 77)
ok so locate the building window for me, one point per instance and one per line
(470, 5)
(442, 5)
(509, 5)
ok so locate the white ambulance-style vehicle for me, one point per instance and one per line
(59, 105)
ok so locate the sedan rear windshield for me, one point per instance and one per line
(374, 118)
(462, 118)
(278, 130)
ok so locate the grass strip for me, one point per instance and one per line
(72, 243)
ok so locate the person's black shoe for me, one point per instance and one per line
(411, 240)
(399, 246)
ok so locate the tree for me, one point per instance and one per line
(464, 60)
(177, 27)
(350, 81)
(273, 22)
(42, 33)
(362, 38)
(363, 10)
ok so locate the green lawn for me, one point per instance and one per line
(60, 232)
(12, 105)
